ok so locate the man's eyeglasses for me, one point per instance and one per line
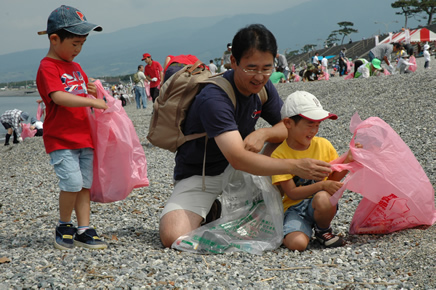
(253, 72)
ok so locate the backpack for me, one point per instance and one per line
(136, 78)
(174, 100)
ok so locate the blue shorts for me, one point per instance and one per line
(74, 168)
(299, 218)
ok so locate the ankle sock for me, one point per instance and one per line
(64, 223)
(318, 229)
(82, 229)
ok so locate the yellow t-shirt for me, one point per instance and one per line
(320, 149)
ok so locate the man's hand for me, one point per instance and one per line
(92, 89)
(312, 169)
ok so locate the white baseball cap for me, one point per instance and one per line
(306, 105)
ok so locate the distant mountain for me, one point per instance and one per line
(120, 52)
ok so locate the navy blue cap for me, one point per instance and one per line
(69, 19)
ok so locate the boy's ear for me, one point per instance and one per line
(54, 38)
(288, 122)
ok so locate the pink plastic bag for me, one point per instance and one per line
(397, 192)
(349, 76)
(413, 67)
(119, 159)
(39, 112)
(26, 132)
(147, 88)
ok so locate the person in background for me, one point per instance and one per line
(36, 125)
(63, 86)
(154, 73)
(403, 64)
(140, 88)
(11, 120)
(369, 69)
(315, 60)
(282, 63)
(42, 108)
(278, 76)
(342, 62)
(225, 60)
(212, 67)
(427, 56)
(325, 65)
(383, 52)
(306, 202)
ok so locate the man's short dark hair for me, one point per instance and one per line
(139, 66)
(253, 37)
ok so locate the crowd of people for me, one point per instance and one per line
(297, 160)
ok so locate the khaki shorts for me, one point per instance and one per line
(189, 195)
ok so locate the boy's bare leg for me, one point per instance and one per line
(296, 241)
(67, 200)
(177, 223)
(324, 211)
(83, 207)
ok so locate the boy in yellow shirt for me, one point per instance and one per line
(307, 202)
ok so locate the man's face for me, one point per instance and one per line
(255, 61)
(147, 60)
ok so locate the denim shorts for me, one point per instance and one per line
(74, 168)
(299, 218)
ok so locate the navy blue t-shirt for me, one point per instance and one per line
(212, 112)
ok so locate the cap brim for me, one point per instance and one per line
(82, 29)
(318, 115)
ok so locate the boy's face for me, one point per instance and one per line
(301, 134)
(68, 49)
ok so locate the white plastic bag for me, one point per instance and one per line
(252, 218)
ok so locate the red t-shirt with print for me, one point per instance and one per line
(64, 127)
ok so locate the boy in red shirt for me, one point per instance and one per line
(63, 87)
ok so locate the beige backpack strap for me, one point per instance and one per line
(225, 85)
(263, 95)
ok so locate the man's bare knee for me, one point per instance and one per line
(177, 223)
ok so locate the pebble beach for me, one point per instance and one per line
(135, 258)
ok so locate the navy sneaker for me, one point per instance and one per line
(64, 237)
(89, 239)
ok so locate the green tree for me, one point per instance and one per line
(408, 8)
(345, 29)
(428, 7)
(332, 38)
(308, 47)
(291, 53)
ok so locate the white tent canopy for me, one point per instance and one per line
(415, 35)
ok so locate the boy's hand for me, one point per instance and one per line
(349, 157)
(331, 186)
(99, 104)
(92, 89)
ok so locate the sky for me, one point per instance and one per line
(20, 20)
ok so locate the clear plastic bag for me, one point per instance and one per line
(252, 218)
(397, 192)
